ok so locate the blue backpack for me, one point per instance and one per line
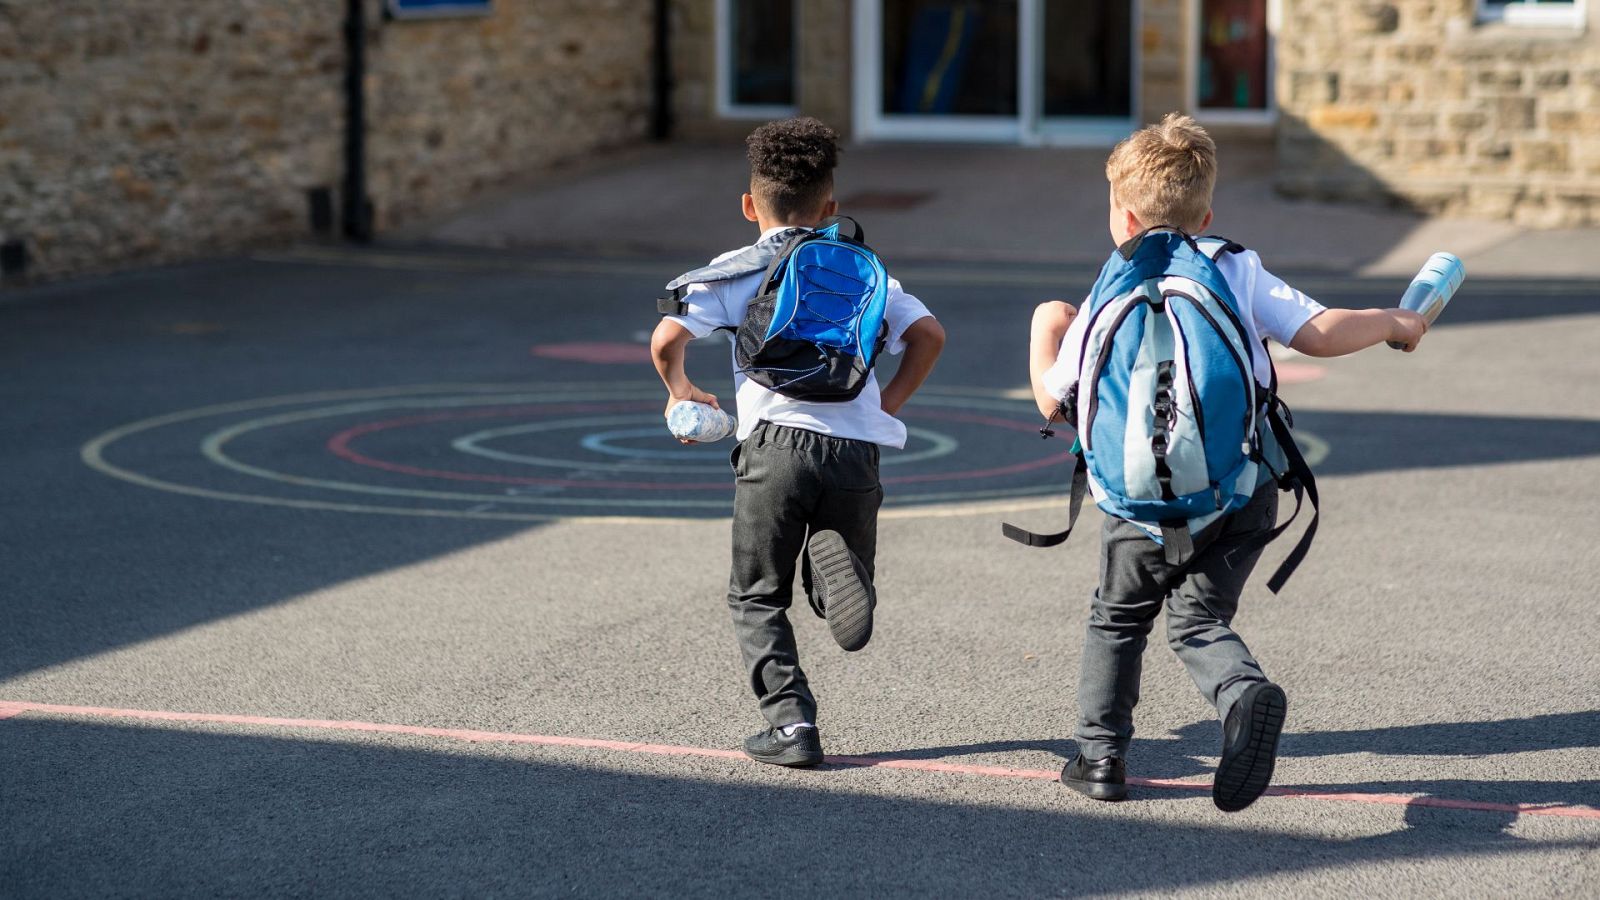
(816, 325)
(1168, 411)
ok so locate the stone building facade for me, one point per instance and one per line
(1447, 106)
(150, 130)
(1421, 102)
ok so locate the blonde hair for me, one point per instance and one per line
(1164, 173)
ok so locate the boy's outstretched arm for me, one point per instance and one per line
(1335, 332)
(666, 351)
(1050, 323)
(924, 342)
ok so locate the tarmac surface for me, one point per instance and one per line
(373, 573)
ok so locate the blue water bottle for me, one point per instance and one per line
(699, 422)
(1435, 283)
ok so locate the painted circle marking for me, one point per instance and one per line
(523, 502)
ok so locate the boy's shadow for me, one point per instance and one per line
(1186, 755)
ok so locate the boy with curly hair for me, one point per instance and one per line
(806, 473)
(1163, 176)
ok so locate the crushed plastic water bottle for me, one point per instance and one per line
(1435, 283)
(699, 422)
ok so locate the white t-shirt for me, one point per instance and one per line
(1268, 306)
(721, 304)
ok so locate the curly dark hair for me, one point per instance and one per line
(791, 166)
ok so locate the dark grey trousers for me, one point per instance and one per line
(1201, 598)
(791, 482)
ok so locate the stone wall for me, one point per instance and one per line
(1411, 101)
(153, 130)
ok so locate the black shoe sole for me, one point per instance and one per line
(846, 600)
(792, 757)
(1097, 790)
(1244, 773)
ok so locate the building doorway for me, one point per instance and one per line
(1020, 71)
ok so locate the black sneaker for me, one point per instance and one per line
(803, 748)
(1102, 779)
(843, 590)
(1249, 746)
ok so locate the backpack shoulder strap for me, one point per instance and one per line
(1215, 245)
(757, 257)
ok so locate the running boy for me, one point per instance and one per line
(1163, 175)
(806, 473)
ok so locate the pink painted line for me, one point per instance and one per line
(9, 709)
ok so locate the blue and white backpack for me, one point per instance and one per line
(816, 325)
(1167, 406)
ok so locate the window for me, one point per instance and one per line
(756, 58)
(1532, 12)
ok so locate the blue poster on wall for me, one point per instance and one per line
(423, 9)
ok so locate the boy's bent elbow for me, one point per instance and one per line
(668, 335)
(926, 334)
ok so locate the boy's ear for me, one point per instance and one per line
(830, 209)
(1205, 224)
(748, 203)
(1131, 225)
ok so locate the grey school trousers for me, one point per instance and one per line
(789, 483)
(1200, 597)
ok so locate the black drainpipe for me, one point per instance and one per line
(661, 80)
(357, 206)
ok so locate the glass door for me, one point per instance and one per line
(1021, 71)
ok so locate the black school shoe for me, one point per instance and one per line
(1249, 746)
(803, 748)
(843, 589)
(1101, 779)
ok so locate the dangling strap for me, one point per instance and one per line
(672, 304)
(1304, 485)
(1303, 481)
(1177, 542)
(1080, 487)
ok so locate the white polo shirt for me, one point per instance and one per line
(721, 304)
(1268, 307)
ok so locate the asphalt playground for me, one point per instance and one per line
(340, 572)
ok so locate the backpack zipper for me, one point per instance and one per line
(1188, 371)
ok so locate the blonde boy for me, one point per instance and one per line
(1164, 175)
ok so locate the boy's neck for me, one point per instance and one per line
(767, 226)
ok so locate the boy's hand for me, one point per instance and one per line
(1406, 329)
(693, 394)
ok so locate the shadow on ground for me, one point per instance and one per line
(1180, 756)
(98, 809)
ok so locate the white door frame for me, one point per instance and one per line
(1029, 126)
(1191, 89)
